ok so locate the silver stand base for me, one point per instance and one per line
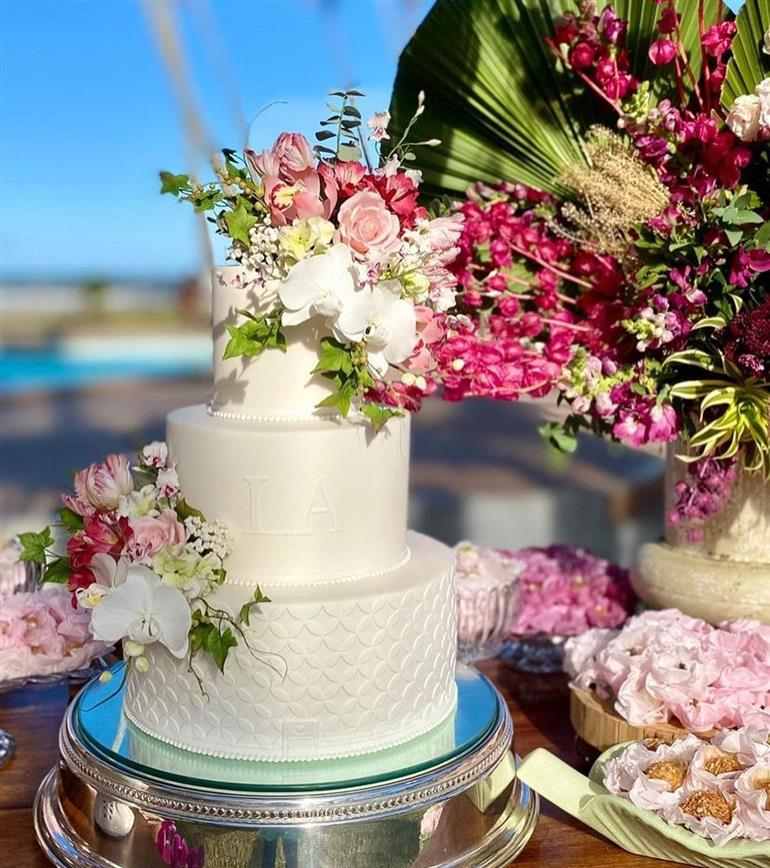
(470, 811)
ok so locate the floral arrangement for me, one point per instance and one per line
(719, 789)
(141, 561)
(335, 236)
(565, 590)
(559, 590)
(636, 288)
(664, 667)
(42, 634)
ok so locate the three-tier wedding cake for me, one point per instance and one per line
(355, 652)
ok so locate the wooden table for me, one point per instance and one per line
(541, 714)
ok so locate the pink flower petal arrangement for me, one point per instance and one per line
(42, 634)
(557, 591)
(718, 789)
(665, 667)
(564, 590)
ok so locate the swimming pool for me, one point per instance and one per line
(73, 365)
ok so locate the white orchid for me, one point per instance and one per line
(324, 286)
(391, 332)
(144, 610)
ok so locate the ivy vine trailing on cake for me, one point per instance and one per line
(143, 560)
(334, 235)
(625, 261)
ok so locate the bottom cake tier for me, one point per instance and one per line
(334, 670)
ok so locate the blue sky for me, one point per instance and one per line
(89, 116)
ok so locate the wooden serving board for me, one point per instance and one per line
(595, 721)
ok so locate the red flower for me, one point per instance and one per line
(582, 56)
(99, 536)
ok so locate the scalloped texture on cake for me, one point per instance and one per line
(353, 668)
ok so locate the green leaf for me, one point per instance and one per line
(70, 520)
(258, 598)
(333, 356)
(254, 336)
(496, 98)
(734, 236)
(174, 184)
(762, 238)
(184, 510)
(323, 135)
(378, 415)
(58, 571)
(218, 645)
(239, 221)
(710, 322)
(558, 436)
(34, 545)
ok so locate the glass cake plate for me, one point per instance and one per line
(101, 725)
(450, 799)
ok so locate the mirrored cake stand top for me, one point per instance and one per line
(450, 798)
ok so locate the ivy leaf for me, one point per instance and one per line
(184, 511)
(257, 599)
(70, 519)
(218, 645)
(254, 336)
(378, 415)
(239, 221)
(199, 636)
(34, 545)
(174, 184)
(558, 436)
(333, 357)
(340, 400)
(58, 571)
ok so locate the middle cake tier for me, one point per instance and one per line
(306, 501)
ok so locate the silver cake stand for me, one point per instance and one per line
(119, 799)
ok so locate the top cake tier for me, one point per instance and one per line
(274, 385)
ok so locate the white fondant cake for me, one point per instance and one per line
(356, 650)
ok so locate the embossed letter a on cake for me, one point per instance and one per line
(281, 510)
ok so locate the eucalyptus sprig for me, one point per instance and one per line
(344, 127)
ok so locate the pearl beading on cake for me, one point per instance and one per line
(250, 417)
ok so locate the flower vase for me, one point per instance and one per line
(720, 570)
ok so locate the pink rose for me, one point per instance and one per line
(99, 487)
(366, 225)
(153, 534)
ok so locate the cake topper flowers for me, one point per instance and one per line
(142, 560)
(335, 235)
